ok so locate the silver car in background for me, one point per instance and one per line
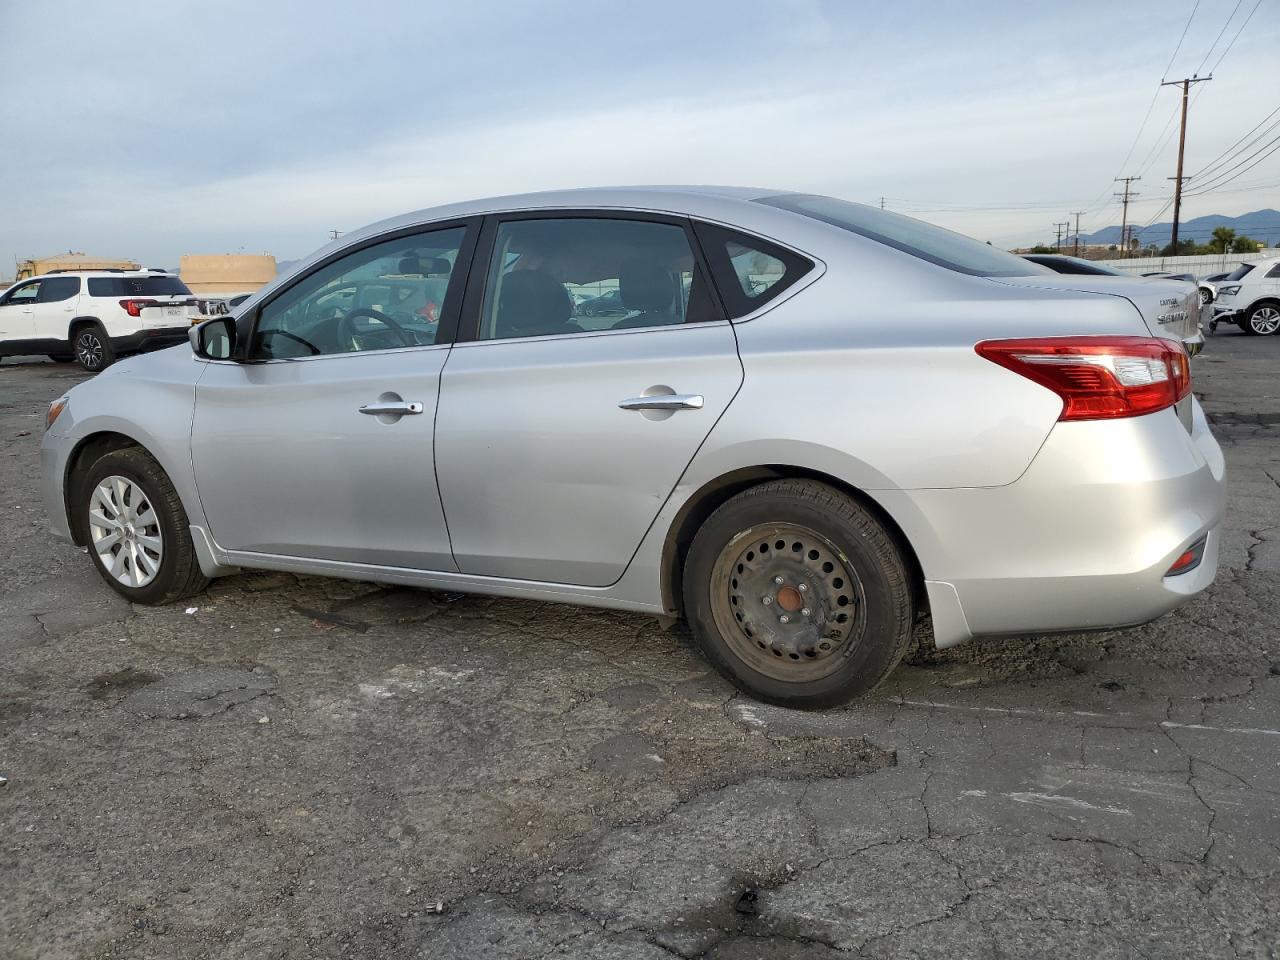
(800, 423)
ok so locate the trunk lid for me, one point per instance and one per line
(168, 311)
(1169, 308)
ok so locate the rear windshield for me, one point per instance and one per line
(943, 247)
(1239, 272)
(136, 287)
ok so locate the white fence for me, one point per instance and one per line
(1200, 266)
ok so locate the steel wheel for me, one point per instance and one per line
(90, 350)
(787, 602)
(125, 531)
(1265, 320)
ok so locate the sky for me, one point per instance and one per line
(150, 129)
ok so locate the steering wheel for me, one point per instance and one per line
(347, 333)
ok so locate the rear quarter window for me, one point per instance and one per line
(1239, 272)
(749, 271)
(137, 287)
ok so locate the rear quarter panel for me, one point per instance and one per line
(873, 371)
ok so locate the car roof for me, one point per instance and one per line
(103, 273)
(684, 199)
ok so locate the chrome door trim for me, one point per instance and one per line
(664, 401)
(394, 408)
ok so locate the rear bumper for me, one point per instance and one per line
(1082, 541)
(155, 338)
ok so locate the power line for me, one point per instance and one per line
(1237, 35)
(1165, 72)
(1270, 148)
(1218, 160)
(1208, 53)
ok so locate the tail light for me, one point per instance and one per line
(134, 307)
(1099, 378)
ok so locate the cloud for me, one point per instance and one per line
(264, 126)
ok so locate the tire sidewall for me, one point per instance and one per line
(1254, 312)
(865, 664)
(143, 471)
(95, 331)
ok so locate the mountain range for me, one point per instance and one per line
(1260, 225)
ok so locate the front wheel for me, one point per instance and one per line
(1205, 297)
(137, 530)
(1264, 320)
(798, 595)
(93, 348)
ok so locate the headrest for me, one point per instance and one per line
(646, 286)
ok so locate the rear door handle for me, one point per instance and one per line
(395, 408)
(664, 401)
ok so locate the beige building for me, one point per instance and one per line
(226, 274)
(72, 261)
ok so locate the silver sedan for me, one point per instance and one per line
(800, 423)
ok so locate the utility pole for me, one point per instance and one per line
(882, 203)
(1124, 217)
(1077, 214)
(1059, 227)
(1182, 145)
(334, 234)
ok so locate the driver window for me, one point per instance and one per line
(24, 294)
(384, 297)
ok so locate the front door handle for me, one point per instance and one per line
(395, 408)
(664, 401)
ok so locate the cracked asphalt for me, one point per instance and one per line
(302, 768)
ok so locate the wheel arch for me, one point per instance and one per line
(709, 497)
(78, 322)
(85, 452)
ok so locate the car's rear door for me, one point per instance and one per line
(55, 307)
(320, 445)
(559, 435)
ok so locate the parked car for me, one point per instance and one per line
(1208, 290)
(606, 305)
(95, 315)
(904, 420)
(1250, 298)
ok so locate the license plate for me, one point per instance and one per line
(174, 311)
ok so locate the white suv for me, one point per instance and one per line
(1249, 297)
(94, 315)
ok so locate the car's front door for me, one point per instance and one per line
(319, 443)
(561, 431)
(17, 312)
(55, 307)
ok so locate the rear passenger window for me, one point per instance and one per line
(749, 271)
(57, 289)
(588, 274)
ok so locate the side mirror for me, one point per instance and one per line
(214, 339)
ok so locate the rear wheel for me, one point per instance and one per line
(137, 530)
(93, 348)
(1264, 320)
(798, 595)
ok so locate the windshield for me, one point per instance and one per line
(1239, 272)
(943, 247)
